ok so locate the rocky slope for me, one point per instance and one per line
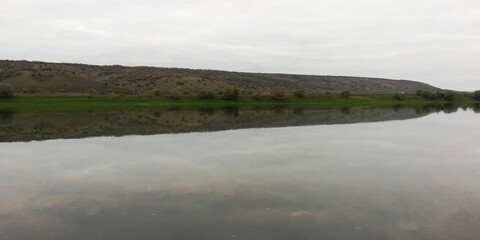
(41, 78)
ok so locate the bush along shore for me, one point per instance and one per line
(229, 97)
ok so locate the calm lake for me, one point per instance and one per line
(387, 173)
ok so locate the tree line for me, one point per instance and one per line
(276, 93)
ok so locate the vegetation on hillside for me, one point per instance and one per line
(280, 93)
(23, 78)
(175, 93)
(206, 95)
(476, 95)
(345, 94)
(449, 95)
(299, 93)
(231, 94)
(6, 90)
(40, 78)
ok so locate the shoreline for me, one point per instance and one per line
(132, 103)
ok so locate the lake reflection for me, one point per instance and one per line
(413, 179)
(28, 126)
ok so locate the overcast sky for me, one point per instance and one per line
(434, 41)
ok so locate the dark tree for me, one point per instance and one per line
(231, 94)
(156, 92)
(476, 95)
(345, 94)
(398, 96)
(450, 95)
(204, 95)
(428, 95)
(6, 90)
(299, 93)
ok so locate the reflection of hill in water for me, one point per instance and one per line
(43, 126)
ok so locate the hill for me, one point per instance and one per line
(42, 78)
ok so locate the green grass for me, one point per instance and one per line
(113, 103)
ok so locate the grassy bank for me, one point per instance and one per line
(111, 103)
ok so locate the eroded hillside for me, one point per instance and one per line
(40, 78)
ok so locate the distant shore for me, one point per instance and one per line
(120, 103)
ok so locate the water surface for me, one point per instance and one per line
(401, 179)
(28, 126)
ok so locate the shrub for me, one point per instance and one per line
(450, 95)
(428, 95)
(6, 90)
(231, 94)
(467, 95)
(398, 96)
(345, 94)
(476, 95)
(257, 96)
(279, 93)
(29, 90)
(419, 93)
(299, 93)
(175, 93)
(156, 92)
(204, 95)
(93, 93)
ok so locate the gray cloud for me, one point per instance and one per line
(434, 41)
